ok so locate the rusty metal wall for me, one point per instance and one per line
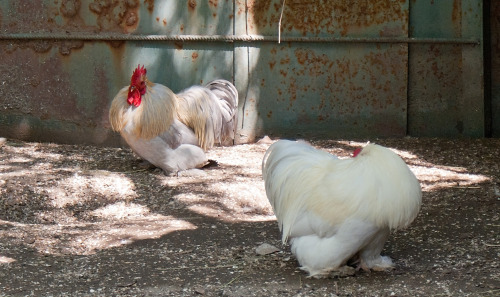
(324, 89)
(495, 67)
(342, 69)
(60, 89)
(446, 90)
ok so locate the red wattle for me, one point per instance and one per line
(134, 98)
(356, 152)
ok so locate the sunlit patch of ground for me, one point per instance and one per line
(80, 200)
(64, 200)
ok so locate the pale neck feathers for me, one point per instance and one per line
(152, 117)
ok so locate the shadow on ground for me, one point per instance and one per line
(86, 221)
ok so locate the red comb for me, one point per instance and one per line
(139, 75)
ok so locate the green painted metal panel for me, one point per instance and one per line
(323, 89)
(326, 18)
(343, 68)
(446, 95)
(60, 90)
(119, 16)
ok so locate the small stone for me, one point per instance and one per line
(266, 249)
(199, 290)
(265, 140)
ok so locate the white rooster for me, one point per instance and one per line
(334, 210)
(172, 131)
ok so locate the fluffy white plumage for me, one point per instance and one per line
(172, 131)
(332, 209)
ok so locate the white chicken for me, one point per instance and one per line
(173, 131)
(334, 210)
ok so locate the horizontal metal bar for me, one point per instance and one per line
(229, 38)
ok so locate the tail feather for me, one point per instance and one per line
(210, 111)
(228, 99)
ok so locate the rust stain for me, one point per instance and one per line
(67, 46)
(271, 64)
(213, 3)
(315, 63)
(24, 16)
(241, 5)
(456, 17)
(194, 56)
(116, 16)
(36, 14)
(191, 5)
(131, 20)
(369, 81)
(326, 16)
(164, 22)
(179, 45)
(301, 56)
(132, 3)
(285, 60)
(70, 8)
(116, 43)
(292, 90)
(40, 46)
(150, 4)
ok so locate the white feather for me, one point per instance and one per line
(172, 131)
(315, 195)
(210, 111)
(174, 150)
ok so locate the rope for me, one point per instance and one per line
(229, 38)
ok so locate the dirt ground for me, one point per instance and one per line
(91, 221)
